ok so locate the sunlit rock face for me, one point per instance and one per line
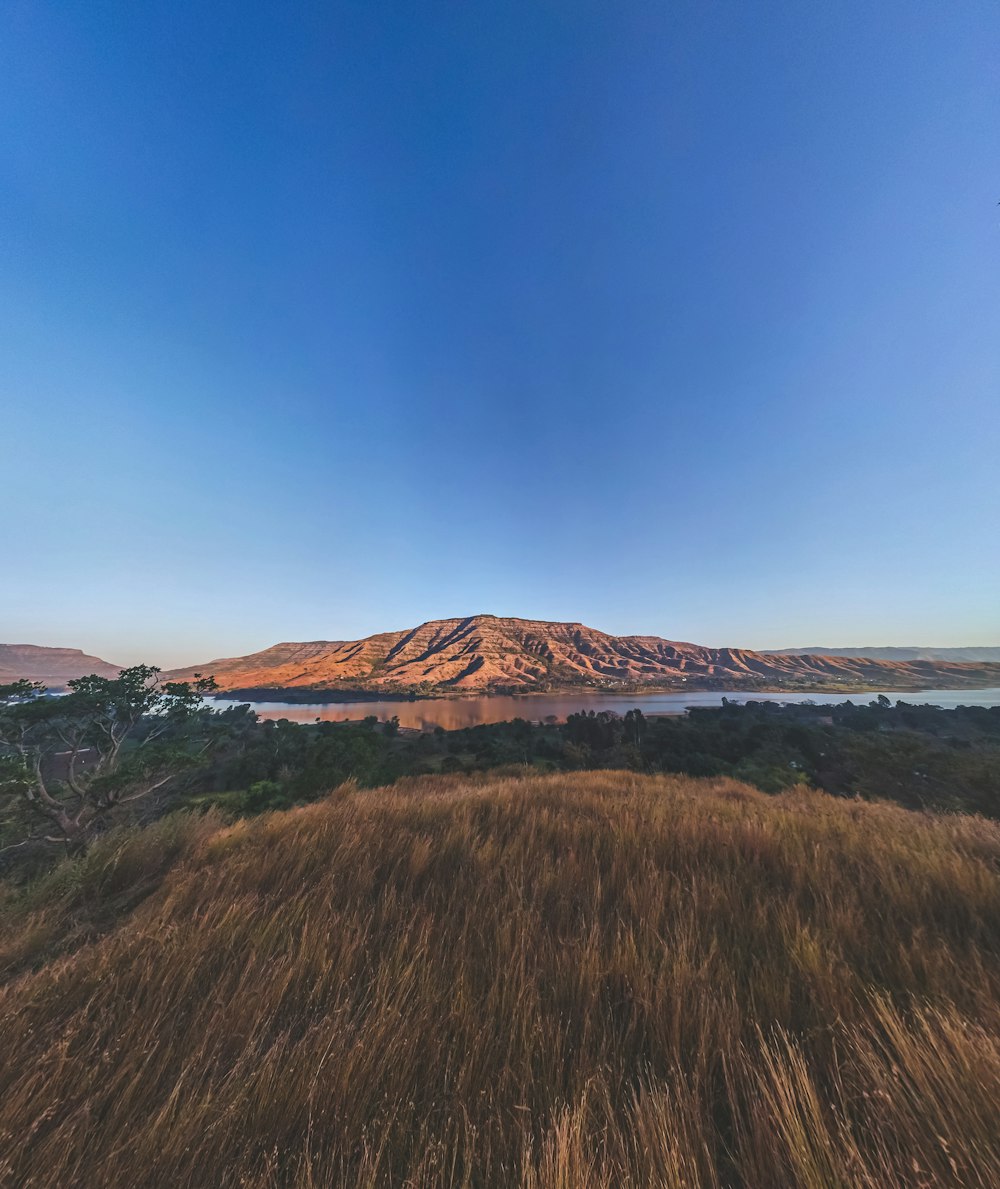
(483, 652)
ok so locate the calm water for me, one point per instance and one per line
(452, 713)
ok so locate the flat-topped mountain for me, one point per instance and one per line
(484, 652)
(51, 666)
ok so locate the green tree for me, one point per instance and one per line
(69, 762)
(635, 726)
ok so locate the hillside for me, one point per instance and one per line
(51, 666)
(588, 981)
(484, 652)
(281, 658)
(972, 655)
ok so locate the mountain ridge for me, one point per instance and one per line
(488, 653)
(973, 654)
(51, 666)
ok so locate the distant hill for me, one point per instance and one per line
(284, 659)
(481, 653)
(52, 666)
(957, 655)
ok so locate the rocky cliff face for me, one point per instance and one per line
(484, 652)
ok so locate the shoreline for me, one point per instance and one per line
(293, 696)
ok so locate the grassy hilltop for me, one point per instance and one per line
(572, 981)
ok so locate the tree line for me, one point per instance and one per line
(134, 746)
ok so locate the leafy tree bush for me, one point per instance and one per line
(69, 762)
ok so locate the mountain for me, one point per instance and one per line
(52, 666)
(286, 660)
(972, 655)
(485, 653)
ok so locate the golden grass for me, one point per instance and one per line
(568, 982)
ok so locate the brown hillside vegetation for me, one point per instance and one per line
(483, 652)
(566, 982)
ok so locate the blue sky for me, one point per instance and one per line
(324, 319)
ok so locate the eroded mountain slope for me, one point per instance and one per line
(483, 652)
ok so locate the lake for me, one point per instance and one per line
(454, 713)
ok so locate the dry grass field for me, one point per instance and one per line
(567, 982)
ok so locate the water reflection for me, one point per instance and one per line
(455, 713)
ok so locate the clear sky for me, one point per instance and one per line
(320, 319)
